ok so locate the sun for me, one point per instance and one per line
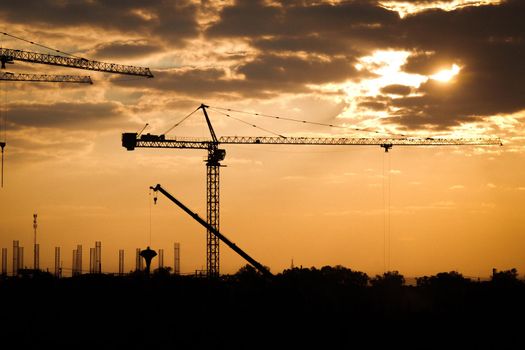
(446, 75)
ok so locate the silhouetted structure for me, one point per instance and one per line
(91, 260)
(20, 258)
(98, 257)
(95, 260)
(130, 141)
(36, 258)
(4, 261)
(148, 254)
(176, 259)
(16, 252)
(76, 269)
(263, 269)
(121, 262)
(58, 270)
(161, 258)
(138, 261)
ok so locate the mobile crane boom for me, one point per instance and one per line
(216, 232)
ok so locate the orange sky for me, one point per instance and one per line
(417, 210)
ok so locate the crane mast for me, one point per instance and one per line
(130, 141)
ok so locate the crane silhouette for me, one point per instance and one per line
(9, 56)
(216, 155)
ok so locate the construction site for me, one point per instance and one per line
(266, 174)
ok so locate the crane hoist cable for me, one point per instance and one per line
(150, 214)
(308, 122)
(180, 122)
(250, 124)
(3, 127)
(37, 44)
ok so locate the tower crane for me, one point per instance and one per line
(9, 56)
(130, 141)
(46, 78)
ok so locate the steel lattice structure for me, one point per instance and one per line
(10, 55)
(46, 78)
(212, 216)
(215, 155)
(160, 141)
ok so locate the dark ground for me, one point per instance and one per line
(328, 308)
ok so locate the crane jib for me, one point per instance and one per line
(131, 141)
(10, 55)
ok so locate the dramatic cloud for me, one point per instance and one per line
(125, 49)
(266, 75)
(490, 53)
(170, 21)
(262, 49)
(66, 115)
(396, 89)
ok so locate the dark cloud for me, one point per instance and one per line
(124, 49)
(297, 44)
(87, 116)
(396, 89)
(346, 28)
(488, 42)
(378, 106)
(170, 21)
(265, 76)
(272, 69)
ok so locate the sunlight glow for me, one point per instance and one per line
(446, 75)
(405, 8)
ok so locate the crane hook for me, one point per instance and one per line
(155, 199)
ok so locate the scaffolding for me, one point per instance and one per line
(121, 262)
(176, 258)
(161, 258)
(4, 261)
(138, 261)
(98, 257)
(91, 260)
(76, 268)
(58, 270)
(37, 256)
(20, 258)
(15, 258)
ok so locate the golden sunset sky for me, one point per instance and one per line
(420, 68)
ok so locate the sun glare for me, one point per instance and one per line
(405, 8)
(446, 75)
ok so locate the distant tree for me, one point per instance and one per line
(342, 275)
(248, 273)
(390, 279)
(505, 278)
(443, 280)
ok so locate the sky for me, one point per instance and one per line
(420, 68)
